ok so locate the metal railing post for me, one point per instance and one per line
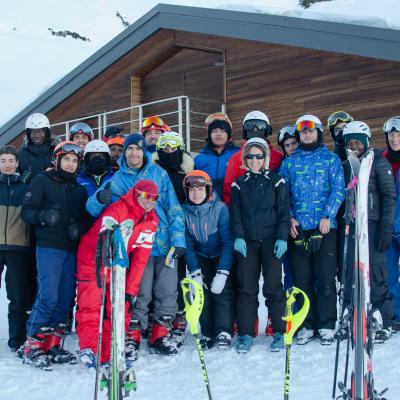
(104, 125)
(67, 131)
(188, 124)
(180, 116)
(223, 108)
(140, 117)
(99, 126)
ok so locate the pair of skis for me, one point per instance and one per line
(111, 249)
(360, 316)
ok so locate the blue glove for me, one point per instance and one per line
(280, 248)
(240, 246)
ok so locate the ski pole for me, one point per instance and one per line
(293, 322)
(194, 301)
(100, 251)
(348, 217)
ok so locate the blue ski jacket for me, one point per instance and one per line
(215, 164)
(93, 182)
(208, 234)
(396, 224)
(315, 182)
(171, 227)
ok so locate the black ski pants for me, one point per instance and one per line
(21, 285)
(181, 275)
(219, 309)
(315, 275)
(379, 293)
(260, 257)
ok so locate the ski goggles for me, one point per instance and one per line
(285, 132)
(339, 116)
(302, 125)
(170, 141)
(253, 124)
(147, 195)
(195, 181)
(80, 128)
(255, 156)
(69, 148)
(392, 124)
(155, 121)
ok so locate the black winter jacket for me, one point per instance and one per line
(48, 191)
(381, 192)
(34, 159)
(260, 207)
(14, 233)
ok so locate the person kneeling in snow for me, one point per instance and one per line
(136, 206)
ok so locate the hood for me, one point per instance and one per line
(187, 162)
(136, 212)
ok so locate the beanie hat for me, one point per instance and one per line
(357, 136)
(221, 125)
(145, 185)
(137, 139)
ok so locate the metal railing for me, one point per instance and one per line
(178, 112)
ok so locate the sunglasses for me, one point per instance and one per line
(252, 124)
(195, 181)
(339, 116)
(287, 130)
(153, 121)
(392, 124)
(255, 156)
(302, 125)
(147, 195)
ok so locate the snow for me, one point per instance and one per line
(256, 375)
(33, 59)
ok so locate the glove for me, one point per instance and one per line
(74, 231)
(105, 196)
(240, 246)
(197, 276)
(280, 248)
(315, 240)
(218, 283)
(383, 240)
(131, 302)
(179, 252)
(50, 217)
(302, 244)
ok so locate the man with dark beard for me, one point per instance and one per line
(97, 166)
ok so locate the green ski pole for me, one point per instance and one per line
(293, 322)
(193, 296)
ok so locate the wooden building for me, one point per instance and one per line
(240, 61)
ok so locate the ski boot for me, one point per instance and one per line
(223, 340)
(383, 335)
(305, 336)
(160, 341)
(327, 336)
(244, 344)
(132, 341)
(57, 354)
(88, 358)
(269, 329)
(206, 342)
(35, 349)
(179, 326)
(277, 342)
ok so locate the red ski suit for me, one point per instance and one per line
(89, 294)
(235, 169)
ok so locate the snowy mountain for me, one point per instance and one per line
(34, 59)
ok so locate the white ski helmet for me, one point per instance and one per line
(354, 129)
(256, 116)
(96, 146)
(37, 121)
(312, 118)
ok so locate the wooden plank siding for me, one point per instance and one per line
(283, 81)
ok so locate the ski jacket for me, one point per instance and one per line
(394, 164)
(14, 233)
(235, 169)
(34, 159)
(215, 164)
(139, 243)
(48, 191)
(260, 207)
(315, 183)
(177, 175)
(381, 191)
(396, 224)
(340, 150)
(208, 234)
(92, 182)
(171, 227)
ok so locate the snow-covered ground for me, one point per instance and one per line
(33, 60)
(257, 375)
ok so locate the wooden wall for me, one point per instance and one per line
(282, 81)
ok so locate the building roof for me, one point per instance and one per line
(337, 37)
